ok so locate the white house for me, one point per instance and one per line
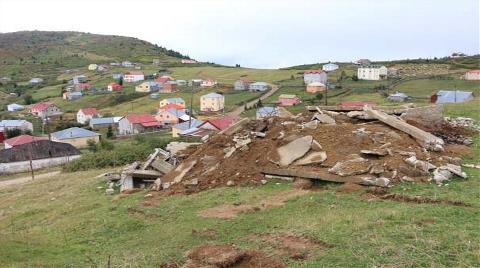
(372, 72)
(14, 107)
(133, 76)
(35, 81)
(311, 76)
(127, 64)
(86, 114)
(329, 67)
(258, 86)
(212, 102)
(472, 75)
(208, 83)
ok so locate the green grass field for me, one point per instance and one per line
(68, 221)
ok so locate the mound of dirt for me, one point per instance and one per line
(229, 256)
(294, 246)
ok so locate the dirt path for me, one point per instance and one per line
(241, 109)
(27, 179)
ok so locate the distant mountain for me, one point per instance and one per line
(38, 50)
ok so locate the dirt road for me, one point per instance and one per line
(27, 179)
(250, 104)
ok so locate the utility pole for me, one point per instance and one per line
(191, 106)
(326, 93)
(30, 156)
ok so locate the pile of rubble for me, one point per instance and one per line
(373, 147)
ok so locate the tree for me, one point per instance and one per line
(292, 77)
(13, 133)
(92, 145)
(28, 99)
(319, 96)
(109, 132)
(259, 103)
(120, 80)
(354, 77)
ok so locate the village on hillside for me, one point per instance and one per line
(180, 111)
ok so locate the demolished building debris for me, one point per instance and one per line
(338, 148)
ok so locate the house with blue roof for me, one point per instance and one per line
(75, 136)
(99, 123)
(451, 96)
(265, 112)
(22, 125)
(180, 127)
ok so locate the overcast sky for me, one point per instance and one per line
(266, 33)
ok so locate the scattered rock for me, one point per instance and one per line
(377, 169)
(294, 150)
(157, 185)
(374, 152)
(311, 125)
(453, 160)
(441, 175)
(380, 182)
(406, 178)
(191, 182)
(264, 182)
(316, 146)
(166, 185)
(324, 119)
(109, 191)
(229, 151)
(230, 183)
(351, 167)
(312, 158)
(457, 170)
(419, 164)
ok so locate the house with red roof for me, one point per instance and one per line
(311, 76)
(133, 76)
(84, 115)
(217, 124)
(44, 109)
(22, 139)
(114, 86)
(138, 123)
(472, 75)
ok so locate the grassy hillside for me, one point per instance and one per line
(37, 53)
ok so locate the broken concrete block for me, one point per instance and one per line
(359, 115)
(157, 185)
(351, 167)
(162, 166)
(441, 175)
(316, 146)
(380, 182)
(406, 178)
(427, 140)
(374, 152)
(183, 169)
(191, 182)
(457, 170)
(166, 185)
(324, 119)
(278, 177)
(294, 150)
(174, 147)
(242, 142)
(312, 158)
(258, 134)
(311, 125)
(419, 164)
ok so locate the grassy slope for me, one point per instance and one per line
(72, 223)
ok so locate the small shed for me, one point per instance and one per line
(451, 96)
(398, 97)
